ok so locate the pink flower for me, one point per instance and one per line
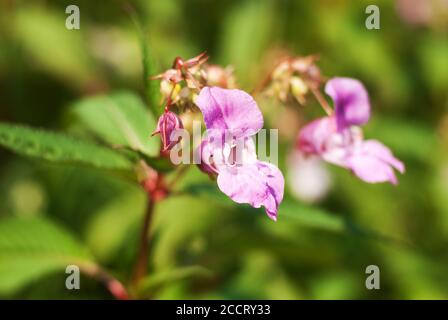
(338, 138)
(232, 117)
(167, 124)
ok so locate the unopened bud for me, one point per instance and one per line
(279, 90)
(169, 89)
(282, 70)
(168, 123)
(218, 76)
(191, 118)
(299, 89)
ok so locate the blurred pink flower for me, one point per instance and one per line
(339, 140)
(418, 12)
(308, 177)
(232, 117)
(423, 12)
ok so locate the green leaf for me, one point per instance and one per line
(308, 216)
(109, 227)
(246, 33)
(160, 164)
(149, 67)
(421, 140)
(51, 46)
(57, 147)
(121, 120)
(33, 248)
(312, 216)
(315, 217)
(433, 62)
(156, 280)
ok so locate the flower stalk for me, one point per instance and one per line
(141, 264)
(323, 103)
(113, 285)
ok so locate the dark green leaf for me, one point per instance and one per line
(60, 148)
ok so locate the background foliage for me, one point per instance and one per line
(89, 211)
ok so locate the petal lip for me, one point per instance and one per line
(258, 184)
(230, 109)
(373, 162)
(351, 100)
(382, 152)
(372, 170)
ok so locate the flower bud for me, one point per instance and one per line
(279, 89)
(170, 90)
(298, 89)
(217, 76)
(168, 123)
(281, 71)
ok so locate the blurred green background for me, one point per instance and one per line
(203, 245)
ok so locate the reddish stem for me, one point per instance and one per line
(143, 251)
(115, 287)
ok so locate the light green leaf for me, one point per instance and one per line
(52, 46)
(121, 120)
(247, 30)
(312, 217)
(315, 217)
(31, 249)
(421, 140)
(433, 62)
(109, 226)
(60, 148)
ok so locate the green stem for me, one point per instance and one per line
(151, 88)
(179, 174)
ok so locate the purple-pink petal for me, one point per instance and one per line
(230, 109)
(313, 137)
(373, 162)
(382, 152)
(351, 100)
(205, 152)
(258, 184)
